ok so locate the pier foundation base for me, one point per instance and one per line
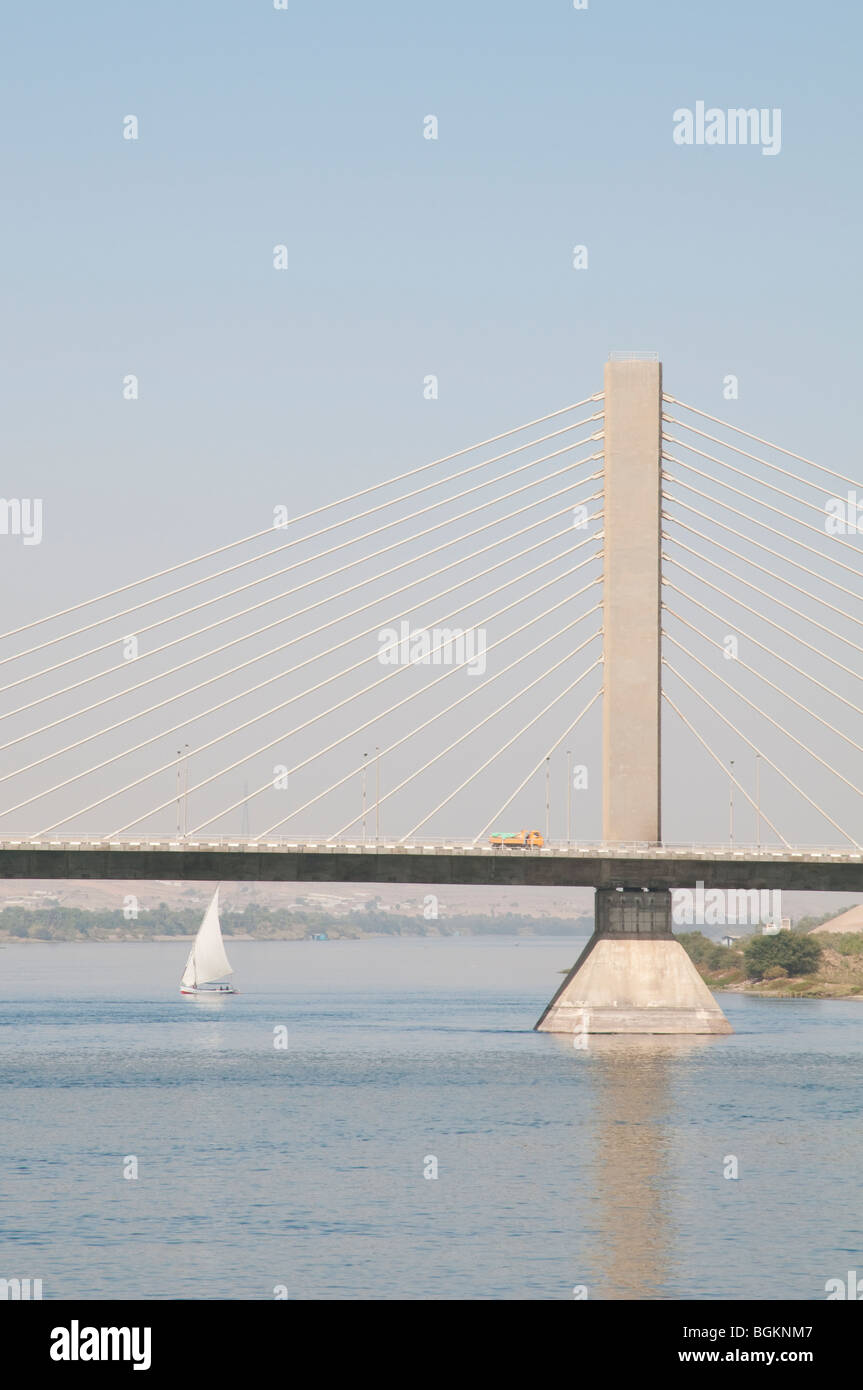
(632, 976)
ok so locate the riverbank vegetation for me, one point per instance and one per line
(791, 964)
(266, 924)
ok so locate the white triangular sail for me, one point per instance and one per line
(207, 960)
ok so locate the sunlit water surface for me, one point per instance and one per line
(303, 1167)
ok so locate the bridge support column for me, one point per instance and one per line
(632, 976)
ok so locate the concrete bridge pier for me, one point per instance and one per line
(632, 976)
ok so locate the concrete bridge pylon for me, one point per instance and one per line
(633, 976)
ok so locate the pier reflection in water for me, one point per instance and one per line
(631, 1173)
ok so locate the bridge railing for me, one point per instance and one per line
(434, 845)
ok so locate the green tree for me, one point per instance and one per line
(809, 923)
(707, 953)
(796, 953)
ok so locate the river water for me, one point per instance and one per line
(265, 1170)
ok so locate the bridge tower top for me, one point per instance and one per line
(631, 598)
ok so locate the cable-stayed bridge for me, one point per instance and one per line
(373, 688)
(451, 624)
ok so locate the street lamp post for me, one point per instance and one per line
(377, 795)
(731, 804)
(758, 799)
(182, 791)
(568, 798)
(365, 756)
(547, 799)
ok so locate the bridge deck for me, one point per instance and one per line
(583, 865)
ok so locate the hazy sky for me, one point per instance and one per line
(406, 257)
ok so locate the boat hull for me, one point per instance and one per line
(212, 989)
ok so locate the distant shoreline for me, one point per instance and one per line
(296, 940)
(255, 923)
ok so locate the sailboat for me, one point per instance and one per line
(207, 963)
